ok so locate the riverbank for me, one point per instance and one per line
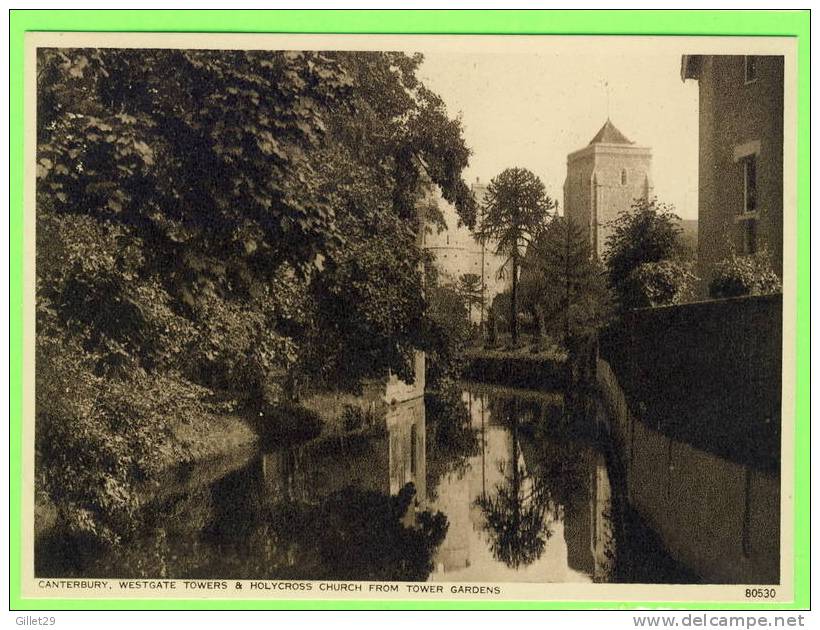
(214, 444)
(517, 367)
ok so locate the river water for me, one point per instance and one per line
(484, 485)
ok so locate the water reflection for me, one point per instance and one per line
(473, 484)
(515, 512)
(588, 530)
(381, 463)
(518, 505)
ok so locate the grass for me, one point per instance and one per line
(211, 436)
(330, 405)
(517, 366)
(548, 350)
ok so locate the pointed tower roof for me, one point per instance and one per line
(609, 134)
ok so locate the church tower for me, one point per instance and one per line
(603, 179)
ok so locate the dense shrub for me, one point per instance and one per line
(649, 233)
(449, 330)
(207, 221)
(98, 439)
(660, 283)
(355, 418)
(518, 368)
(288, 422)
(744, 275)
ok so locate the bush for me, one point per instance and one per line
(744, 275)
(449, 330)
(99, 439)
(660, 283)
(649, 233)
(285, 423)
(354, 418)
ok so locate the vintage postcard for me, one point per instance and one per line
(504, 318)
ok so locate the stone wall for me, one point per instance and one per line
(692, 401)
(717, 518)
(707, 373)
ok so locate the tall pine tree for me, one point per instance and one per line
(563, 286)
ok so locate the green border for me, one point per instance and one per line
(598, 22)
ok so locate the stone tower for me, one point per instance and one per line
(457, 252)
(603, 179)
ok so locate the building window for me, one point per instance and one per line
(747, 213)
(623, 177)
(749, 164)
(750, 68)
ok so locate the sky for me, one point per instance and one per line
(530, 109)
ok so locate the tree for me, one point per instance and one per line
(647, 234)
(201, 216)
(448, 330)
(515, 206)
(231, 170)
(369, 311)
(500, 310)
(563, 285)
(492, 329)
(515, 513)
(470, 288)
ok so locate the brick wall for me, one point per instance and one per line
(707, 374)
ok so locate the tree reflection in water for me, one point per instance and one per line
(516, 514)
(328, 511)
(349, 534)
(358, 534)
(451, 440)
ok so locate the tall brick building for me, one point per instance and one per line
(603, 179)
(740, 191)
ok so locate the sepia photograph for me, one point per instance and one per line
(374, 317)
